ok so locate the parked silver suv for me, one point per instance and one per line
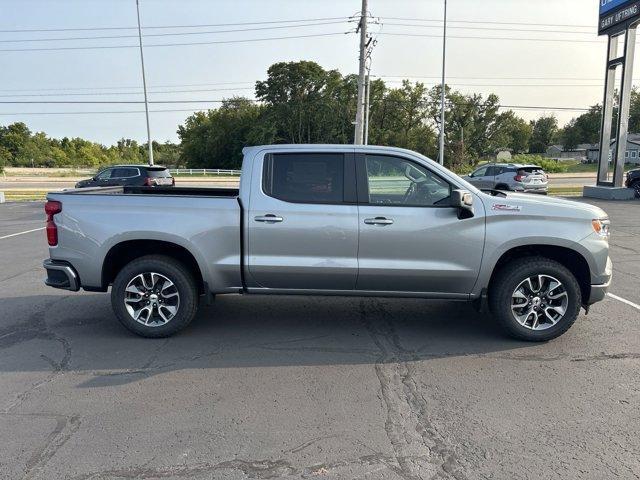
(510, 176)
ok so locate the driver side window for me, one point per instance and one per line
(104, 175)
(400, 182)
(481, 172)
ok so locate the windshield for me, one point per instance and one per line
(460, 182)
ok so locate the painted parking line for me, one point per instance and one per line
(22, 233)
(624, 300)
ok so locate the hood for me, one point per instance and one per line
(540, 205)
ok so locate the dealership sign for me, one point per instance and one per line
(616, 15)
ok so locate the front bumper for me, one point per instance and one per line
(61, 274)
(598, 292)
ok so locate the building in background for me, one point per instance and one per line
(632, 153)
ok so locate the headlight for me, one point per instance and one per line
(601, 226)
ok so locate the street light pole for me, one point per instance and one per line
(442, 100)
(144, 85)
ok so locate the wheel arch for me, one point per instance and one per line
(126, 251)
(573, 260)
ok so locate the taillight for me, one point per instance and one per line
(51, 208)
(518, 178)
(173, 182)
(147, 182)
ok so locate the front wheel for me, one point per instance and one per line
(154, 296)
(535, 299)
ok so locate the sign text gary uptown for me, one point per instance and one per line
(620, 17)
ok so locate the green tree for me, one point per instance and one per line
(216, 138)
(543, 134)
(518, 132)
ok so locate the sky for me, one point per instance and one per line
(523, 67)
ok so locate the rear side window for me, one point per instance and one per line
(124, 172)
(305, 177)
(158, 173)
(492, 172)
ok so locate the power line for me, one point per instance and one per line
(518, 39)
(439, 20)
(515, 85)
(403, 77)
(489, 28)
(489, 78)
(121, 93)
(105, 47)
(99, 112)
(112, 37)
(127, 87)
(90, 29)
(102, 102)
(501, 106)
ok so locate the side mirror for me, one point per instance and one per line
(463, 201)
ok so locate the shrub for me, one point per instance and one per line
(547, 164)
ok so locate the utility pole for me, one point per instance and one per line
(144, 85)
(367, 106)
(359, 133)
(442, 100)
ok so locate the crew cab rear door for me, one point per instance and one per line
(303, 221)
(411, 240)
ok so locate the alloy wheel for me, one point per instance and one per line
(151, 299)
(539, 302)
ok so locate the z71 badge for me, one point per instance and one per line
(503, 207)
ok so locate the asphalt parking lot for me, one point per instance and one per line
(296, 387)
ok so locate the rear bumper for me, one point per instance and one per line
(541, 190)
(61, 274)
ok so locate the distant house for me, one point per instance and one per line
(559, 152)
(632, 155)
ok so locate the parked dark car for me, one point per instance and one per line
(130, 175)
(633, 181)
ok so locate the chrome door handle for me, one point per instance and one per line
(269, 218)
(379, 221)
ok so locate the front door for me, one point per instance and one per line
(410, 239)
(303, 222)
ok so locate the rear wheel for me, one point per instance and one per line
(502, 186)
(154, 296)
(535, 299)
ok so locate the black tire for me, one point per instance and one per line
(636, 186)
(173, 270)
(503, 187)
(509, 278)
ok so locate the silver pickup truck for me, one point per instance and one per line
(331, 220)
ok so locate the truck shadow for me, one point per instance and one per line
(79, 333)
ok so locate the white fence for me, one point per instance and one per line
(203, 171)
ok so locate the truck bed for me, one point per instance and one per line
(203, 221)
(178, 191)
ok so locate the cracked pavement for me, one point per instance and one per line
(302, 387)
